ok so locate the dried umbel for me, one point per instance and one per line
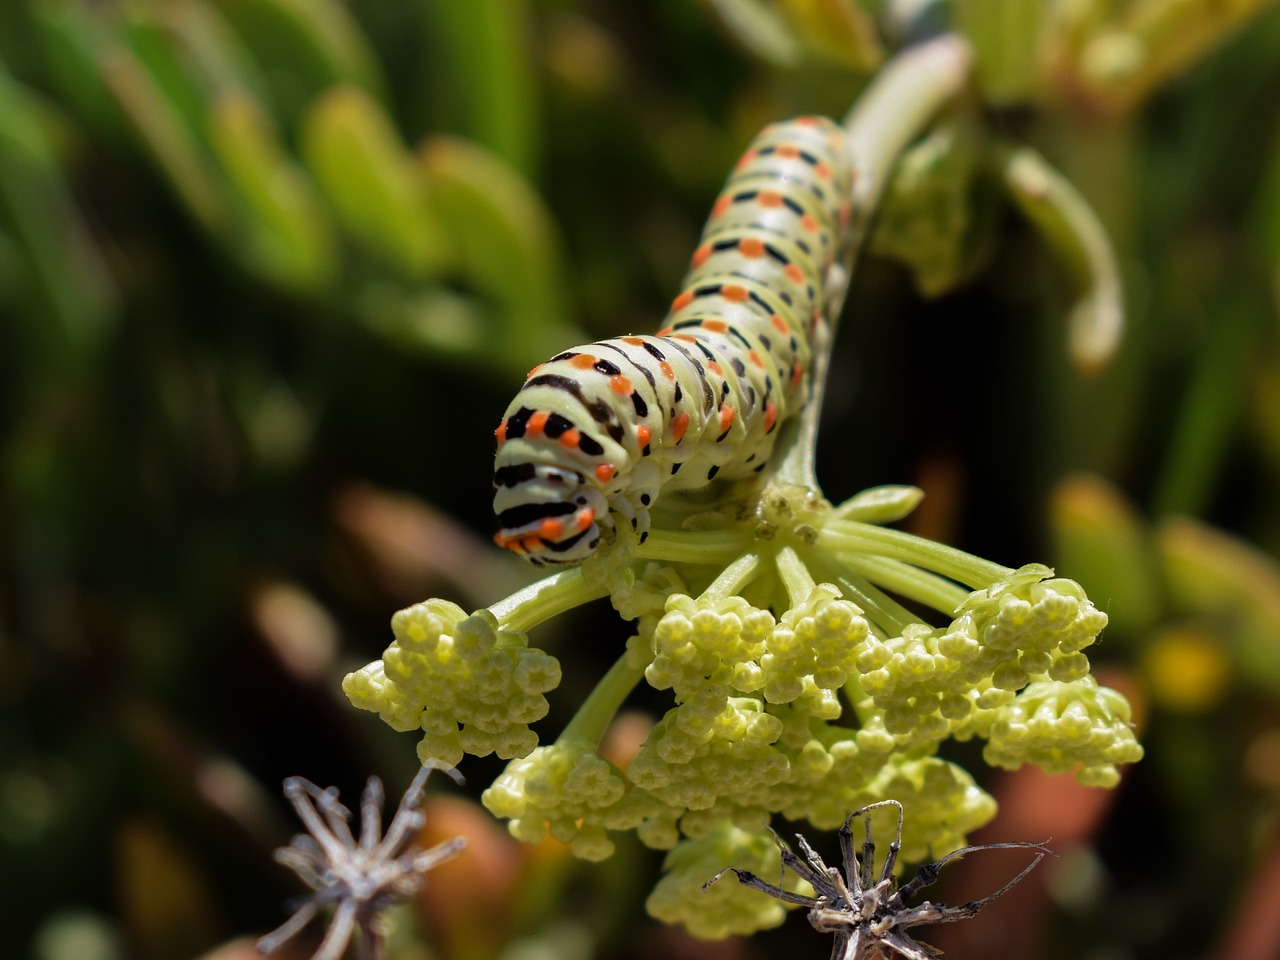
(869, 915)
(361, 878)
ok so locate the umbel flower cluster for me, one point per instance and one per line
(802, 684)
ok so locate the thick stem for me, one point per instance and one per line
(735, 576)
(711, 547)
(840, 536)
(593, 717)
(547, 598)
(893, 111)
(909, 581)
(795, 575)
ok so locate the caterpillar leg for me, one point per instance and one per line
(633, 502)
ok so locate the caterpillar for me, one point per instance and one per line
(600, 431)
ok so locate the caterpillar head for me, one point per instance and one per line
(549, 514)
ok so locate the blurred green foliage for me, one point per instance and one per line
(270, 271)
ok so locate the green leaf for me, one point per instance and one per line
(372, 183)
(1008, 39)
(835, 31)
(289, 239)
(486, 83)
(55, 255)
(761, 30)
(1101, 540)
(506, 238)
(304, 47)
(201, 39)
(165, 133)
(1117, 55)
(1214, 575)
(72, 38)
(429, 320)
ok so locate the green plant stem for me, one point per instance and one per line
(909, 581)
(593, 717)
(547, 598)
(730, 582)
(795, 575)
(849, 536)
(678, 546)
(893, 111)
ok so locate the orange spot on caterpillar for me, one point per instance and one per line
(751, 246)
(537, 423)
(809, 223)
(529, 375)
(634, 341)
(755, 359)
(666, 370)
(787, 151)
(745, 159)
(715, 368)
(726, 417)
(569, 439)
(605, 472)
(823, 171)
(770, 416)
(501, 432)
(805, 121)
(678, 426)
(769, 198)
(779, 324)
(715, 326)
(664, 332)
(701, 255)
(583, 361)
(796, 373)
(584, 518)
(619, 384)
(643, 435)
(721, 205)
(794, 273)
(733, 292)
(530, 543)
(682, 301)
(550, 529)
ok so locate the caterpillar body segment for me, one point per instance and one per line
(602, 430)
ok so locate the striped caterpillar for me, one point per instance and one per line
(601, 430)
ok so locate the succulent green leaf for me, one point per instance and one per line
(167, 135)
(486, 78)
(288, 236)
(508, 247)
(304, 47)
(840, 32)
(761, 29)
(1100, 537)
(54, 256)
(372, 184)
(1212, 574)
